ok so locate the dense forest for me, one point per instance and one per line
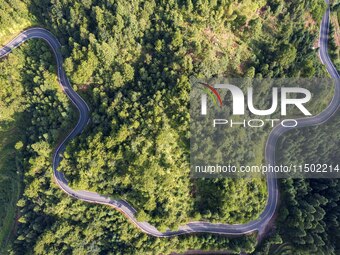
(146, 84)
(308, 222)
(132, 62)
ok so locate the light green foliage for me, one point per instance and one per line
(14, 17)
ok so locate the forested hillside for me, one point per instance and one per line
(132, 62)
(137, 60)
(50, 222)
(308, 222)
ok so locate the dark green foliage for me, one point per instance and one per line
(308, 218)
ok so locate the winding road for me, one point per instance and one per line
(123, 206)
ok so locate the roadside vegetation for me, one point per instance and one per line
(15, 16)
(334, 43)
(132, 62)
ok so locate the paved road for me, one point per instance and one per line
(121, 205)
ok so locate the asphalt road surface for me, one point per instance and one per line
(121, 205)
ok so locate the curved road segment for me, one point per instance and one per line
(121, 205)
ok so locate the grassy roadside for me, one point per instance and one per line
(334, 42)
(7, 35)
(15, 17)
